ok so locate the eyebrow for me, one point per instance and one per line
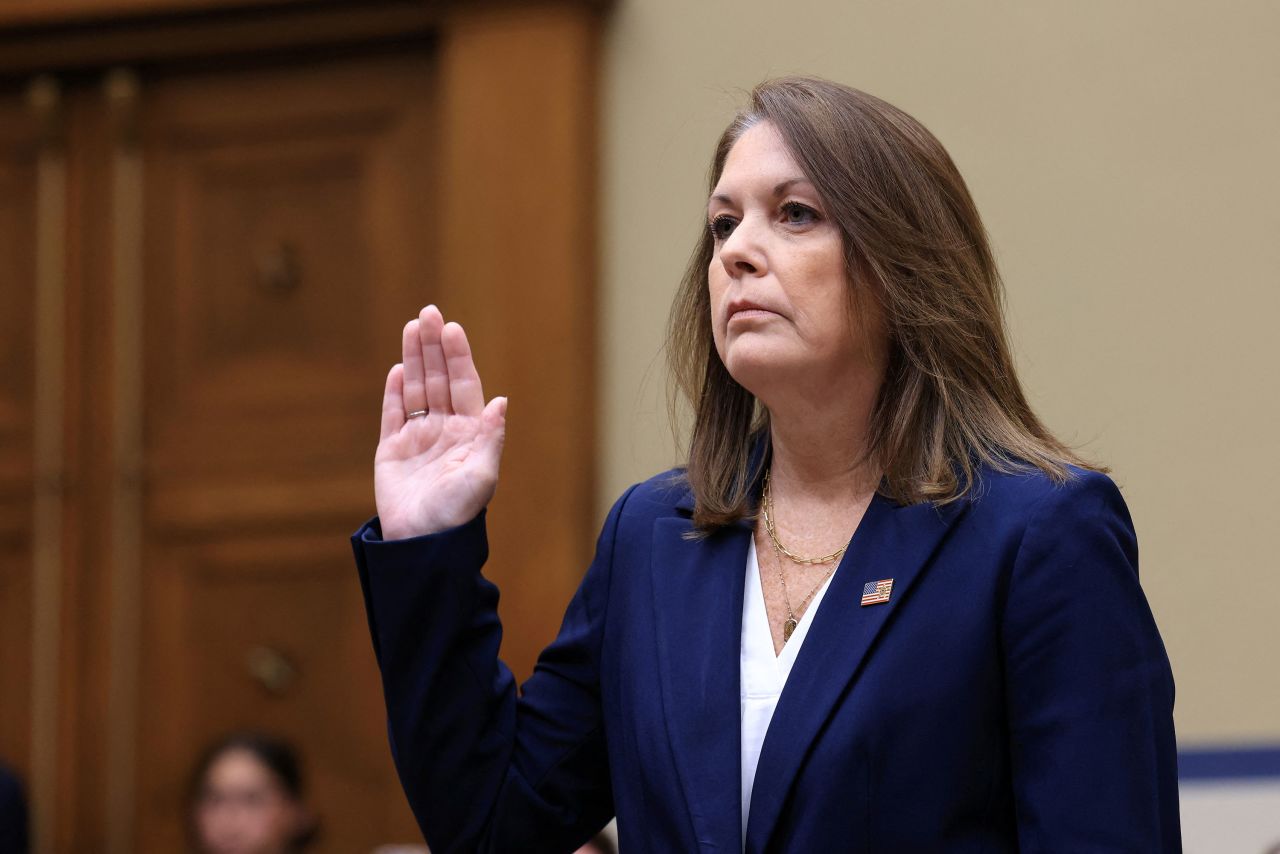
(778, 189)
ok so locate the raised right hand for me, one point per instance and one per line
(435, 471)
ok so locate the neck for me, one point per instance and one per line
(819, 446)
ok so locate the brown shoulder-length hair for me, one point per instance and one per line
(913, 240)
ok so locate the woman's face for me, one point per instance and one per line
(780, 309)
(243, 809)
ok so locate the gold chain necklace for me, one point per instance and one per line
(789, 625)
(766, 509)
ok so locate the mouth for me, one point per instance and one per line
(749, 311)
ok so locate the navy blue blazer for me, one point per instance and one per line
(1012, 695)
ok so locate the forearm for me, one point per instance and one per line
(450, 701)
(483, 770)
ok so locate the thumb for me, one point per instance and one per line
(493, 430)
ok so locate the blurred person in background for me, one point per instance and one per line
(248, 797)
(13, 814)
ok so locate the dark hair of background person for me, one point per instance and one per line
(914, 242)
(276, 755)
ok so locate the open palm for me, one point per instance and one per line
(436, 470)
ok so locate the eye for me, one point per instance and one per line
(794, 213)
(722, 226)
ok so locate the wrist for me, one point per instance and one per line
(397, 528)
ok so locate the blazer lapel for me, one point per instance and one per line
(697, 598)
(892, 541)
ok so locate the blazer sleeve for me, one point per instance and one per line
(1089, 687)
(483, 768)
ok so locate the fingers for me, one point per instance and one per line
(465, 391)
(393, 407)
(436, 371)
(413, 389)
(437, 374)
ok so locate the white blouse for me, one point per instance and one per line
(763, 674)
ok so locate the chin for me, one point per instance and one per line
(756, 369)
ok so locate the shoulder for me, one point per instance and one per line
(1027, 496)
(1056, 536)
(664, 494)
(1024, 518)
(630, 522)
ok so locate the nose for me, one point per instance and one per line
(742, 252)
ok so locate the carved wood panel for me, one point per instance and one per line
(288, 218)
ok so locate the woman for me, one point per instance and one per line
(247, 797)
(871, 516)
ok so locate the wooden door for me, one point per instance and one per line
(286, 219)
(212, 228)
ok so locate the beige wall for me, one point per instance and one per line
(1124, 156)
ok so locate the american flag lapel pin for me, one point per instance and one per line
(876, 592)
